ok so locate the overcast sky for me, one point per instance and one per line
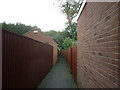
(41, 13)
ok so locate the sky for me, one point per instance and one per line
(41, 13)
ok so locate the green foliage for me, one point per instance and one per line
(18, 28)
(70, 9)
(51, 33)
(68, 37)
(75, 43)
(72, 33)
(68, 42)
(58, 36)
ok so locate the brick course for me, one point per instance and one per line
(98, 57)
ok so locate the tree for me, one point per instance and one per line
(58, 36)
(72, 33)
(70, 9)
(68, 42)
(18, 28)
(51, 33)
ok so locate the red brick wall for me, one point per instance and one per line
(98, 53)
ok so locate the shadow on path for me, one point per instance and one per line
(59, 77)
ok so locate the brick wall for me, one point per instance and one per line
(98, 57)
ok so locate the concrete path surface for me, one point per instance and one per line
(59, 77)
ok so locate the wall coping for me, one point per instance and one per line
(81, 8)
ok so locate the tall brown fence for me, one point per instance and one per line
(71, 56)
(25, 61)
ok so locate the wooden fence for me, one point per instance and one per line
(25, 61)
(71, 56)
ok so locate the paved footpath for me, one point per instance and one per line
(59, 77)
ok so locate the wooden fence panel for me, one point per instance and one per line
(25, 61)
(74, 62)
(71, 56)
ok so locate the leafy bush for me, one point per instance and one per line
(68, 42)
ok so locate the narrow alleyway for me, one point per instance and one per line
(59, 77)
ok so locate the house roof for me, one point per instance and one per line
(42, 33)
